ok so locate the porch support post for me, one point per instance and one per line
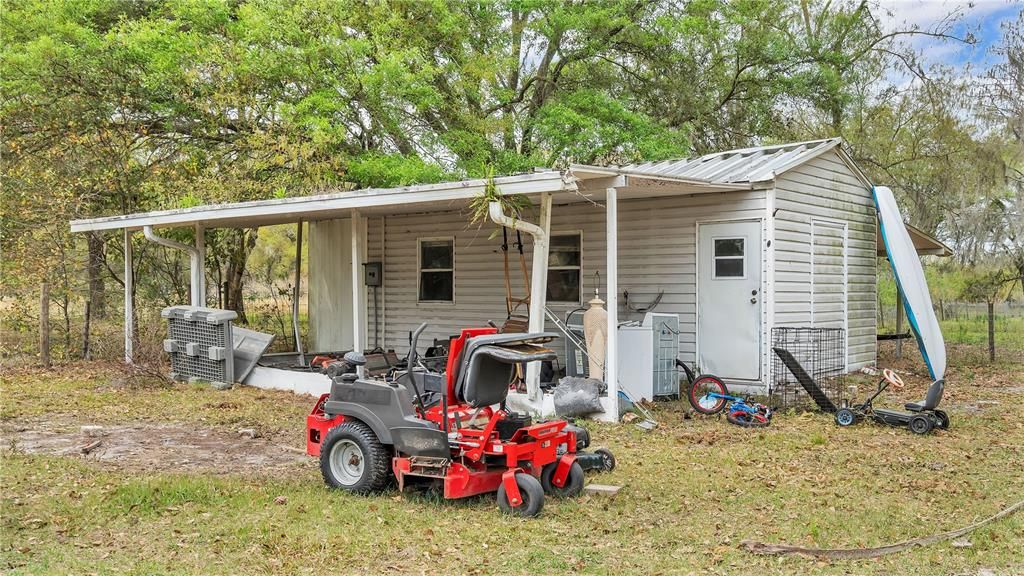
(296, 291)
(199, 268)
(539, 292)
(899, 322)
(358, 291)
(129, 283)
(611, 361)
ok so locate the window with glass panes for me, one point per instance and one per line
(437, 269)
(564, 267)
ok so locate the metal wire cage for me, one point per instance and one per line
(821, 352)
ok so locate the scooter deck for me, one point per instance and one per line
(806, 381)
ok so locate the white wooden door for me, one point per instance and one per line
(729, 299)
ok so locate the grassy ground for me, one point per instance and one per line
(692, 490)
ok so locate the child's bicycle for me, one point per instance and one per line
(708, 394)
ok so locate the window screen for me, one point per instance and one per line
(564, 258)
(437, 270)
(729, 257)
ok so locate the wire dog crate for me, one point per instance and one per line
(821, 352)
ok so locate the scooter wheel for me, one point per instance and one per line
(573, 482)
(920, 425)
(530, 491)
(607, 459)
(845, 417)
(746, 420)
(942, 420)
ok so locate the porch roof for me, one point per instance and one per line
(576, 185)
(925, 244)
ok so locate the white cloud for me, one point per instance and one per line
(929, 14)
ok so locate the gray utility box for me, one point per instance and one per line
(200, 343)
(647, 357)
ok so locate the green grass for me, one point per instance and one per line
(691, 491)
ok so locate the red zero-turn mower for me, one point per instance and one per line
(450, 429)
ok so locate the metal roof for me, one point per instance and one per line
(722, 171)
(751, 165)
(333, 205)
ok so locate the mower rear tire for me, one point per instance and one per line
(942, 420)
(845, 417)
(530, 491)
(573, 482)
(352, 458)
(607, 459)
(920, 425)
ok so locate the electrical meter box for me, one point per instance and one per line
(373, 274)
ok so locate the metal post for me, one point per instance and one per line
(129, 313)
(296, 292)
(199, 268)
(611, 362)
(899, 322)
(358, 291)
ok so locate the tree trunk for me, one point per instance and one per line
(86, 351)
(97, 293)
(233, 297)
(44, 325)
(991, 331)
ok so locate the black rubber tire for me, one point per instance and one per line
(715, 382)
(845, 417)
(607, 459)
(744, 420)
(376, 471)
(582, 438)
(942, 420)
(531, 492)
(920, 425)
(573, 483)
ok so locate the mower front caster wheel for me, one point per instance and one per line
(607, 459)
(352, 458)
(920, 425)
(942, 420)
(845, 417)
(531, 493)
(573, 482)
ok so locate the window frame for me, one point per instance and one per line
(715, 258)
(578, 234)
(420, 270)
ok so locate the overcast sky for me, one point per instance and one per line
(982, 18)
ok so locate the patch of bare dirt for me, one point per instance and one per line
(163, 447)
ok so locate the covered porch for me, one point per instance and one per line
(353, 228)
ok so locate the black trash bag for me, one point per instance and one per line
(578, 396)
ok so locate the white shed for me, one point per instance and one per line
(734, 243)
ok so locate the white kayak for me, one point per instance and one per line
(906, 267)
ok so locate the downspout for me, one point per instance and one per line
(539, 278)
(194, 257)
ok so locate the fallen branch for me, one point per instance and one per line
(862, 553)
(91, 446)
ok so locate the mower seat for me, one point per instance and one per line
(488, 362)
(931, 399)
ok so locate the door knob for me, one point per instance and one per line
(753, 300)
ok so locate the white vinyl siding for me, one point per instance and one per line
(826, 189)
(657, 243)
(828, 274)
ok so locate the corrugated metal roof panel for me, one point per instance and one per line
(744, 165)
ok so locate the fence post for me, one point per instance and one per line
(44, 324)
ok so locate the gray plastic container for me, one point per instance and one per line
(200, 344)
